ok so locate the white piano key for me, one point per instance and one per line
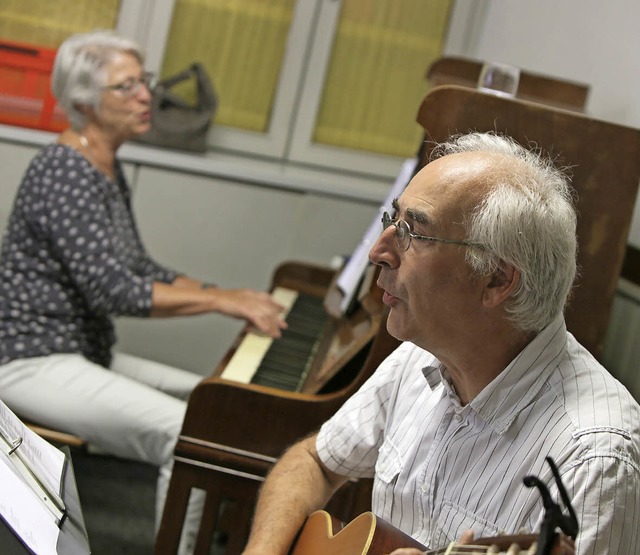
(245, 361)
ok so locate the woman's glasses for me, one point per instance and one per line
(131, 86)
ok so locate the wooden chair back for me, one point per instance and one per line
(604, 160)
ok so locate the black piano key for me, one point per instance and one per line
(286, 361)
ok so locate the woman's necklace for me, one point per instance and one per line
(109, 171)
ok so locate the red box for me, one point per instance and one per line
(25, 94)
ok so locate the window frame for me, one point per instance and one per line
(298, 94)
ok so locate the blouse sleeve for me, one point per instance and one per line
(81, 214)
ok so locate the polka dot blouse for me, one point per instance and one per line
(71, 259)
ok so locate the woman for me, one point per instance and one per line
(72, 259)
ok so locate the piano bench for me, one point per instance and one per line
(56, 437)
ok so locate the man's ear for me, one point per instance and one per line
(500, 285)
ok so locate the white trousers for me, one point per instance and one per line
(134, 410)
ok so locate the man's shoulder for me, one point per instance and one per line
(594, 400)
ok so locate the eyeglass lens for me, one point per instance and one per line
(132, 85)
(403, 232)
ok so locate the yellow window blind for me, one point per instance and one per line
(241, 43)
(375, 81)
(376, 78)
(48, 22)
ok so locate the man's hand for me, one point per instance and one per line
(564, 546)
(465, 539)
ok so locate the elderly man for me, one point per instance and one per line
(476, 265)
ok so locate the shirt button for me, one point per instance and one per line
(457, 417)
(425, 488)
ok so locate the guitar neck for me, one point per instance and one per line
(505, 544)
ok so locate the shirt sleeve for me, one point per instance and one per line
(157, 271)
(604, 489)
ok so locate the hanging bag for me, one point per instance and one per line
(176, 122)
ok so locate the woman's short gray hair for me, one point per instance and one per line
(79, 70)
(528, 220)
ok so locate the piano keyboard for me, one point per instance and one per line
(282, 363)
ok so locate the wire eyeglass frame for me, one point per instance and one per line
(404, 234)
(129, 87)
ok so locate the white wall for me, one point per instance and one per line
(588, 41)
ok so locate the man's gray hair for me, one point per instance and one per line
(527, 219)
(80, 70)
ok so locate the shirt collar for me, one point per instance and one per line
(502, 400)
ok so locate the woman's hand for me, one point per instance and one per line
(257, 307)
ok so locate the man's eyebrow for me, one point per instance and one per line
(412, 214)
(419, 216)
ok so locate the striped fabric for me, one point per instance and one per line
(441, 468)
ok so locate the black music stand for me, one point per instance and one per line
(73, 538)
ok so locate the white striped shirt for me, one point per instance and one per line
(441, 468)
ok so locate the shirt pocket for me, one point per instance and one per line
(389, 463)
(452, 520)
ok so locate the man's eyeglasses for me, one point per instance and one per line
(404, 234)
(132, 85)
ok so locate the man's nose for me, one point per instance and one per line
(384, 251)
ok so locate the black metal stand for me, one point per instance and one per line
(554, 518)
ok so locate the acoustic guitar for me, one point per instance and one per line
(322, 534)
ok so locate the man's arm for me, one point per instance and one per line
(297, 485)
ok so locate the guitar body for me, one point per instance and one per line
(367, 534)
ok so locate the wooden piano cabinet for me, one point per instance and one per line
(232, 435)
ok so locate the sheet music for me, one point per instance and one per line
(351, 274)
(31, 473)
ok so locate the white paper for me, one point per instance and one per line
(45, 459)
(24, 512)
(24, 506)
(351, 274)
